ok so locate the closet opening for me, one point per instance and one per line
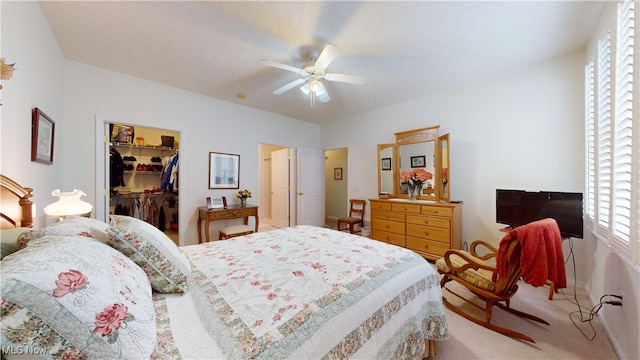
(142, 166)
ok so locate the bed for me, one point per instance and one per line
(82, 288)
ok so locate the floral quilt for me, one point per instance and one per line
(309, 292)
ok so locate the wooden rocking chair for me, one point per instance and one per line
(476, 274)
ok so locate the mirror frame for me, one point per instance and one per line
(445, 160)
(422, 135)
(381, 147)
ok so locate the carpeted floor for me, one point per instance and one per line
(561, 340)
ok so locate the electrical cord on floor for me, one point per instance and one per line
(589, 313)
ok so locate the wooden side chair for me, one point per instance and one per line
(479, 275)
(356, 216)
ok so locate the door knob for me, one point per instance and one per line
(300, 193)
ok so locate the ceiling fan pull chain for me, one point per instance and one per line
(312, 98)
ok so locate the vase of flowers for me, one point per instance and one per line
(243, 195)
(414, 180)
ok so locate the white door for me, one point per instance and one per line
(280, 170)
(310, 187)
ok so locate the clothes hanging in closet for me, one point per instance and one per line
(170, 174)
(116, 168)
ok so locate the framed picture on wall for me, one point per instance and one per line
(337, 173)
(42, 136)
(385, 163)
(418, 161)
(224, 171)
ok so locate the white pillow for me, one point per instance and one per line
(73, 225)
(167, 267)
(71, 295)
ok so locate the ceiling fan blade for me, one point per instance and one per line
(352, 79)
(323, 95)
(305, 89)
(288, 86)
(329, 53)
(278, 65)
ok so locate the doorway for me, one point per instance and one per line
(265, 199)
(141, 168)
(291, 185)
(336, 185)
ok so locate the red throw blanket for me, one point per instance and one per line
(541, 257)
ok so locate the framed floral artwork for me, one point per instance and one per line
(42, 136)
(418, 161)
(337, 173)
(385, 163)
(224, 171)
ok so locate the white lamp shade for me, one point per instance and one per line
(69, 203)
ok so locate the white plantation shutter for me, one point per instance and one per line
(603, 170)
(623, 124)
(612, 134)
(590, 143)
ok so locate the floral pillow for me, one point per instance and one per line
(73, 225)
(167, 267)
(73, 297)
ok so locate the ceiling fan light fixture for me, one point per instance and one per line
(315, 85)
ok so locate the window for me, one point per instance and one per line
(612, 137)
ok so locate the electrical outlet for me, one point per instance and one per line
(622, 300)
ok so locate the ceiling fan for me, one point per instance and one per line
(312, 72)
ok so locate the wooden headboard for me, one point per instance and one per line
(15, 204)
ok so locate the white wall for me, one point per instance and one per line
(522, 130)
(38, 81)
(205, 125)
(74, 94)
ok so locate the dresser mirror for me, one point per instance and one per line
(443, 142)
(416, 151)
(386, 163)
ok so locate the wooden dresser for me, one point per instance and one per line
(427, 228)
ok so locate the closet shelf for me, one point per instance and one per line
(136, 146)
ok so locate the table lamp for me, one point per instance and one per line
(68, 204)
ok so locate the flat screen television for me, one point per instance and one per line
(519, 207)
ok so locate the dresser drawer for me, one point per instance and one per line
(427, 246)
(429, 221)
(428, 232)
(390, 226)
(389, 238)
(384, 215)
(231, 214)
(406, 208)
(437, 211)
(379, 205)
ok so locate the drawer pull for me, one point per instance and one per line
(234, 213)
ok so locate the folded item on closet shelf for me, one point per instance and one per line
(124, 191)
(129, 158)
(156, 159)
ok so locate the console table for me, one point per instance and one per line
(230, 212)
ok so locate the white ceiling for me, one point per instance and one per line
(405, 49)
